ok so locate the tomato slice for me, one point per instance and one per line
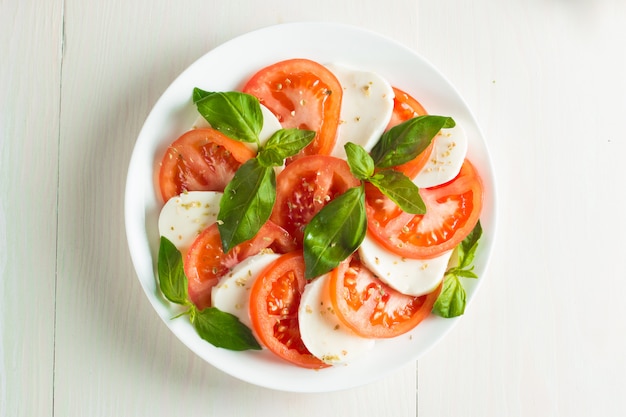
(274, 300)
(452, 211)
(370, 307)
(302, 94)
(305, 186)
(206, 261)
(406, 107)
(200, 160)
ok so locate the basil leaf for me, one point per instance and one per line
(361, 164)
(404, 142)
(283, 144)
(335, 232)
(466, 273)
(467, 248)
(400, 189)
(235, 114)
(224, 330)
(246, 204)
(172, 279)
(451, 301)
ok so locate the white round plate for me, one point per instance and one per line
(227, 67)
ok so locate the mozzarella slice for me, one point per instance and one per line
(232, 293)
(324, 335)
(270, 126)
(409, 276)
(183, 217)
(366, 108)
(446, 158)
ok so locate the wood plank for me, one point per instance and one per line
(114, 357)
(546, 334)
(30, 46)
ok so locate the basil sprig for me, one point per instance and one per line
(217, 327)
(394, 184)
(249, 197)
(339, 228)
(451, 302)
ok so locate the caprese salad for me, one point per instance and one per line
(315, 211)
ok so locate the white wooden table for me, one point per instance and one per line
(546, 335)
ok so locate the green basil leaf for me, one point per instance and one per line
(172, 279)
(467, 273)
(400, 189)
(235, 114)
(246, 204)
(335, 232)
(467, 248)
(404, 142)
(224, 330)
(451, 301)
(361, 164)
(283, 144)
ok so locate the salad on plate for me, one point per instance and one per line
(290, 218)
(314, 212)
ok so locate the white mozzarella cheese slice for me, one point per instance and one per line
(413, 277)
(270, 126)
(366, 107)
(183, 217)
(446, 158)
(232, 292)
(324, 335)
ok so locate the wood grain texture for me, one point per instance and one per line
(113, 355)
(30, 46)
(545, 336)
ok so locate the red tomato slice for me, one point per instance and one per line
(452, 211)
(200, 160)
(274, 300)
(406, 107)
(302, 94)
(370, 307)
(206, 261)
(305, 186)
